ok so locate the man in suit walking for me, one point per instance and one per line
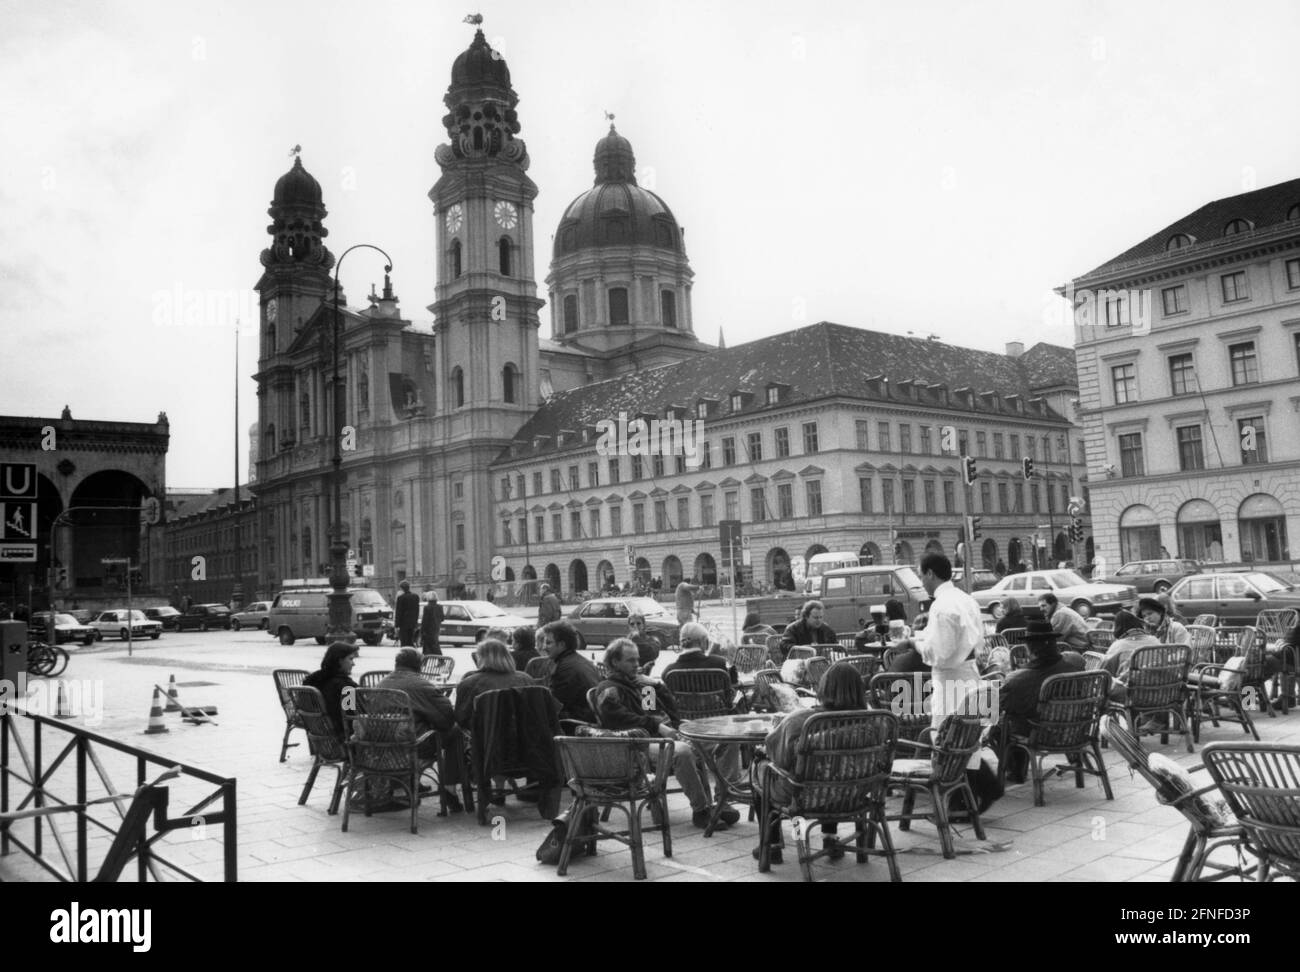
(431, 626)
(406, 614)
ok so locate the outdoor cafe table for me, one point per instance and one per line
(741, 730)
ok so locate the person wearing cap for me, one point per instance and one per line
(1018, 696)
(1158, 622)
(1071, 630)
(1130, 635)
(548, 609)
(953, 633)
(431, 710)
(406, 614)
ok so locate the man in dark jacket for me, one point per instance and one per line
(572, 676)
(431, 710)
(630, 700)
(431, 626)
(406, 614)
(808, 630)
(548, 609)
(695, 652)
(1018, 697)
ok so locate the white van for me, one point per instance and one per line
(821, 563)
(305, 613)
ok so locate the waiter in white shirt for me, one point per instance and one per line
(951, 635)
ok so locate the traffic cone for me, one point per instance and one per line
(173, 697)
(156, 723)
(64, 709)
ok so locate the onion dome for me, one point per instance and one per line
(297, 187)
(479, 65)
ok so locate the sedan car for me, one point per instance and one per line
(1153, 576)
(167, 615)
(66, 628)
(256, 615)
(1235, 598)
(980, 580)
(114, 624)
(201, 617)
(466, 622)
(1070, 589)
(604, 619)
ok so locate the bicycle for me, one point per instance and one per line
(49, 661)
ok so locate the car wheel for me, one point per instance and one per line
(996, 611)
(99, 635)
(234, 625)
(124, 634)
(1162, 587)
(320, 639)
(286, 636)
(1083, 607)
(266, 624)
(88, 640)
(373, 640)
(155, 635)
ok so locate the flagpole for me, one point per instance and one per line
(237, 591)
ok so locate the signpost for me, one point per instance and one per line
(18, 512)
(731, 540)
(130, 614)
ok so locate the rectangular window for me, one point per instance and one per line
(754, 442)
(679, 464)
(614, 472)
(981, 445)
(1245, 366)
(460, 536)
(997, 446)
(1293, 274)
(926, 448)
(1117, 310)
(883, 437)
(773, 394)
(810, 437)
(557, 526)
(1175, 300)
(1015, 446)
(505, 487)
(706, 456)
(784, 501)
(593, 474)
(1190, 453)
(1065, 496)
(887, 496)
(928, 488)
(909, 496)
(593, 523)
(1182, 374)
(1130, 455)
(555, 481)
(1019, 496)
(537, 484)
(523, 529)
(539, 528)
(986, 497)
(1234, 286)
(732, 505)
(668, 308)
(904, 437)
(1003, 507)
(574, 485)
(506, 539)
(683, 513)
(963, 442)
(661, 516)
(813, 494)
(860, 430)
(757, 504)
(1250, 436)
(706, 510)
(638, 518)
(617, 306)
(657, 465)
(729, 451)
(575, 524)
(1124, 381)
(864, 493)
(519, 485)
(782, 443)
(1036, 497)
(637, 466)
(616, 521)
(1031, 445)
(949, 496)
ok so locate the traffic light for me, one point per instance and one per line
(970, 470)
(61, 578)
(1076, 530)
(975, 528)
(898, 551)
(356, 569)
(1028, 465)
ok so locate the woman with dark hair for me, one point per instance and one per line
(1130, 635)
(523, 647)
(753, 626)
(1013, 616)
(332, 678)
(841, 690)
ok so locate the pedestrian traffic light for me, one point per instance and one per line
(1028, 465)
(971, 471)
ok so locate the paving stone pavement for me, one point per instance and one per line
(1077, 836)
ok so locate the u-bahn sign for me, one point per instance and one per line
(18, 512)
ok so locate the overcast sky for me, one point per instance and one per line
(926, 167)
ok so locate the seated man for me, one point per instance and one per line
(431, 710)
(1156, 617)
(810, 629)
(1018, 696)
(572, 676)
(695, 652)
(648, 647)
(630, 700)
(1071, 632)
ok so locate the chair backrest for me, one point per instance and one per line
(515, 729)
(761, 697)
(888, 655)
(956, 741)
(1261, 782)
(802, 651)
(437, 668)
(867, 665)
(750, 658)
(824, 650)
(1202, 642)
(907, 696)
(1277, 623)
(700, 692)
(816, 670)
(285, 679)
(1247, 641)
(605, 767)
(321, 737)
(1158, 675)
(1092, 660)
(842, 761)
(1019, 655)
(381, 732)
(1015, 636)
(1209, 620)
(1102, 624)
(539, 668)
(1069, 707)
(372, 679)
(1101, 639)
(848, 641)
(774, 654)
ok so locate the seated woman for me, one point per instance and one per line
(841, 690)
(523, 647)
(1130, 635)
(908, 659)
(753, 626)
(332, 678)
(496, 670)
(1013, 616)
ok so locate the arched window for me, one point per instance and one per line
(503, 253)
(617, 306)
(458, 387)
(1237, 226)
(455, 258)
(570, 313)
(668, 308)
(271, 445)
(510, 383)
(1178, 241)
(1293, 212)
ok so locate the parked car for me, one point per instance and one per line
(1152, 576)
(167, 615)
(304, 613)
(66, 628)
(1070, 589)
(980, 580)
(201, 617)
(256, 615)
(84, 615)
(1236, 598)
(466, 622)
(114, 624)
(603, 619)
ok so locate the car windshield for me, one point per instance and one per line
(137, 616)
(645, 605)
(363, 597)
(910, 578)
(1065, 578)
(1268, 584)
(483, 609)
(64, 619)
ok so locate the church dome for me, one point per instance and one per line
(479, 65)
(616, 211)
(297, 187)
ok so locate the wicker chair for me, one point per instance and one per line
(327, 748)
(1101, 624)
(760, 697)
(849, 641)
(866, 665)
(939, 769)
(1212, 692)
(1101, 640)
(701, 692)
(774, 653)
(826, 650)
(802, 651)
(887, 657)
(1201, 644)
(610, 773)
(372, 679)
(1208, 620)
(1015, 636)
(437, 668)
(1157, 685)
(285, 679)
(907, 696)
(750, 659)
(1276, 625)
(539, 669)
(815, 671)
(1206, 833)
(1261, 783)
(1019, 656)
(1069, 709)
(383, 746)
(841, 774)
(1092, 660)
(513, 735)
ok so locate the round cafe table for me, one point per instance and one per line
(742, 730)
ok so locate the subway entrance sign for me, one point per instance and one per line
(18, 512)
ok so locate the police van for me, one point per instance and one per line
(302, 611)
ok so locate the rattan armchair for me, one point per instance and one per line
(939, 770)
(1157, 685)
(907, 696)
(1092, 660)
(372, 679)
(285, 679)
(866, 665)
(1201, 643)
(1015, 636)
(841, 775)
(437, 668)
(539, 669)
(326, 745)
(1219, 694)
(801, 651)
(383, 747)
(1261, 783)
(701, 692)
(750, 659)
(816, 670)
(1207, 831)
(1206, 620)
(1100, 639)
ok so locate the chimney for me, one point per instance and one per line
(1015, 349)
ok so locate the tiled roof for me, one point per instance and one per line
(811, 363)
(1262, 207)
(193, 504)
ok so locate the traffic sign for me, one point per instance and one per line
(18, 480)
(17, 553)
(629, 554)
(17, 512)
(17, 520)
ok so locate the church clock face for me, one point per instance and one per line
(454, 218)
(506, 215)
(272, 310)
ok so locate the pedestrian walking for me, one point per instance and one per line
(685, 596)
(548, 609)
(406, 614)
(431, 626)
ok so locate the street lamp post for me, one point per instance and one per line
(340, 604)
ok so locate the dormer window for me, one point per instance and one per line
(1237, 226)
(1178, 241)
(1293, 212)
(773, 394)
(737, 402)
(702, 409)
